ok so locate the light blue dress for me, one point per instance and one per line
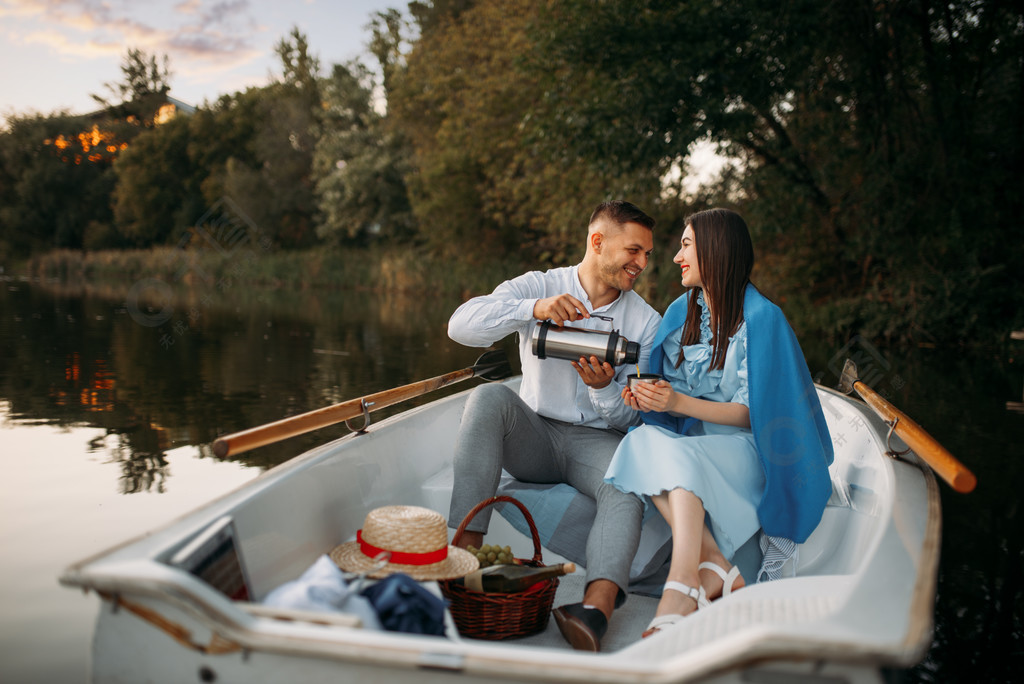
(718, 463)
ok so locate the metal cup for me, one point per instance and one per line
(633, 378)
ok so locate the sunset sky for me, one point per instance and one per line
(55, 53)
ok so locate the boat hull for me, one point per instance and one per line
(862, 599)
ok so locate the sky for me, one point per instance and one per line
(55, 53)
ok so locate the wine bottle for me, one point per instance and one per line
(509, 579)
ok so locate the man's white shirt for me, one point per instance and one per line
(552, 387)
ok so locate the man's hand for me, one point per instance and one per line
(559, 309)
(628, 399)
(594, 373)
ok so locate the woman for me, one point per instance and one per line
(734, 440)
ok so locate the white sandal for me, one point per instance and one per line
(698, 595)
(728, 578)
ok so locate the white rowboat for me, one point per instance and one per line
(862, 598)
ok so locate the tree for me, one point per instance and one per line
(275, 186)
(276, 192)
(872, 138)
(481, 185)
(358, 164)
(173, 173)
(58, 169)
(386, 40)
(361, 161)
(156, 197)
(300, 68)
(142, 90)
(55, 180)
(222, 132)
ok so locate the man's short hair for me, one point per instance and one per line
(622, 212)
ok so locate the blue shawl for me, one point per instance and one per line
(789, 427)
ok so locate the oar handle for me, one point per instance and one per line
(330, 415)
(924, 445)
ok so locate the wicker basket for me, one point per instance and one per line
(498, 616)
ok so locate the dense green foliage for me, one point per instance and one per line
(54, 186)
(878, 142)
(480, 184)
(151, 200)
(874, 148)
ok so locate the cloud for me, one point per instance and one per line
(201, 35)
(19, 8)
(188, 6)
(60, 43)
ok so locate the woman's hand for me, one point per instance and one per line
(659, 396)
(653, 396)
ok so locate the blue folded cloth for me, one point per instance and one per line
(404, 605)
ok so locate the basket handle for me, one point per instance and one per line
(457, 537)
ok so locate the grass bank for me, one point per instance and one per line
(374, 269)
(380, 269)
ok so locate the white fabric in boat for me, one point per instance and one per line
(322, 587)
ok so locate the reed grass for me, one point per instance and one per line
(383, 269)
(257, 273)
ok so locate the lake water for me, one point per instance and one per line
(109, 403)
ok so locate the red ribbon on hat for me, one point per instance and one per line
(402, 557)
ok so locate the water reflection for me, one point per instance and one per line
(215, 365)
(137, 395)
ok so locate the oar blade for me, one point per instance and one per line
(848, 378)
(492, 365)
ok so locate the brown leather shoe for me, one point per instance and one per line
(581, 627)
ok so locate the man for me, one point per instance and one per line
(568, 417)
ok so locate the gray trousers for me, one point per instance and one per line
(500, 431)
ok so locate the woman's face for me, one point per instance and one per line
(686, 257)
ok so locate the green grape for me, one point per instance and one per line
(493, 554)
(472, 549)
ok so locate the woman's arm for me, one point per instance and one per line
(661, 397)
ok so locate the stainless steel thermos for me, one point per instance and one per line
(562, 342)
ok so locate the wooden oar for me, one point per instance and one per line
(924, 445)
(492, 365)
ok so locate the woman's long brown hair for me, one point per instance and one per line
(725, 258)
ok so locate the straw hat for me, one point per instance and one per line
(417, 539)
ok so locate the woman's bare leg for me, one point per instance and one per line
(684, 513)
(709, 552)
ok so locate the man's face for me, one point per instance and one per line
(624, 254)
